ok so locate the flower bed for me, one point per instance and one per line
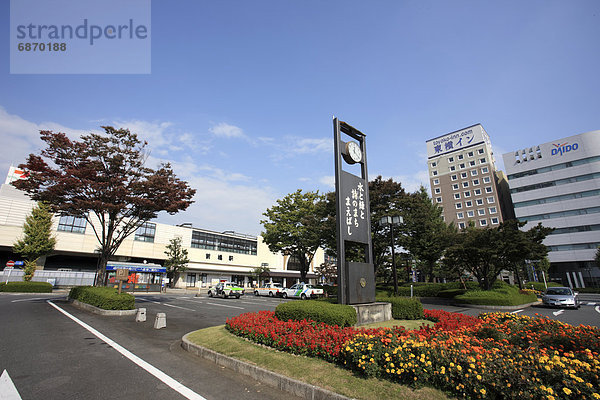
(498, 355)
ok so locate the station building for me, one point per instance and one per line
(214, 256)
(558, 184)
(464, 180)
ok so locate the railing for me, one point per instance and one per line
(57, 278)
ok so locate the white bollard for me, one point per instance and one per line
(160, 321)
(141, 315)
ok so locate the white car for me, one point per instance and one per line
(302, 291)
(269, 289)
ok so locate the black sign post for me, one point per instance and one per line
(356, 280)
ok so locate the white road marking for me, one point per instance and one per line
(591, 304)
(166, 379)
(33, 298)
(516, 311)
(597, 309)
(224, 305)
(8, 391)
(557, 313)
(165, 304)
(191, 301)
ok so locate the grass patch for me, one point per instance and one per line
(392, 323)
(505, 296)
(310, 370)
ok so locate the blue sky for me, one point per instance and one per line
(241, 93)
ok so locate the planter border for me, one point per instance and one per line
(100, 311)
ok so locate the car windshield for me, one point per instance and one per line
(559, 291)
(309, 286)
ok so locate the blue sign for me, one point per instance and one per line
(135, 268)
(563, 148)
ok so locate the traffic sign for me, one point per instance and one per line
(10, 263)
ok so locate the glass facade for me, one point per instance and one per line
(69, 223)
(215, 241)
(146, 232)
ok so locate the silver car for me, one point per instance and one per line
(560, 297)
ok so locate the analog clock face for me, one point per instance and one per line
(354, 151)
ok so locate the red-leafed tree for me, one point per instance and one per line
(103, 178)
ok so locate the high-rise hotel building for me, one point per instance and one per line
(558, 184)
(464, 180)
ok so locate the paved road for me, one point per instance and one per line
(50, 356)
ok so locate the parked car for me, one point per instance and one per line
(302, 291)
(226, 289)
(560, 296)
(269, 289)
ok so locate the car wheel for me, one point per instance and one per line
(270, 294)
(224, 295)
(237, 296)
(256, 292)
(284, 295)
(303, 296)
(210, 294)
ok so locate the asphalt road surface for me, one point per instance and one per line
(50, 355)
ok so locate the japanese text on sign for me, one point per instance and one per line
(355, 208)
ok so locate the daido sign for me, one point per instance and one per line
(561, 148)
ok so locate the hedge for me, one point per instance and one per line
(404, 307)
(587, 290)
(539, 286)
(318, 311)
(505, 296)
(26, 287)
(103, 297)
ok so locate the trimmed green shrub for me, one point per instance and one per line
(539, 286)
(506, 296)
(103, 297)
(450, 293)
(404, 307)
(318, 311)
(330, 290)
(586, 290)
(26, 287)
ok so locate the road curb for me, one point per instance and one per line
(498, 308)
(281, 382)
(99, 311)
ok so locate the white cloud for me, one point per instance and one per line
(328, 181)
(223, 129)
(309, 145)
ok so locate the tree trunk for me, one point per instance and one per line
(518, 278)
(101, 270)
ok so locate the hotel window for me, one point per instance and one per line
(495, 221)
(456, 196)
(490, 200)
(479, 202)
(434, 173)
(470, 213)
(68, 223)
(473, 172)
(470, 154)
(455, 186)
(486, 179)
(482, 160)
(463, 175)
(454, 177)
(467, 194)
(460, 157)
(438, 190)
(479, 151)
(458, 206)
(460, 215)
(433, 164)
(475, 181)
(436, 181)
(477, 192)
(469, 204)
(471, 163)
(481, 211)
(484, 170)
(438, 199)
(461, 225)
(462, 166)
(483, 222)
(452, 168)
(450, 159)
(146, 232)
(492, 210)
(465, 184)
(488, 189)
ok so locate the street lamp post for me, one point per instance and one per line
(391, 221)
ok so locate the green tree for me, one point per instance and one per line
(103, 179)
(261, 272)
(597, 259)
(37, 240)
(424, 233)
(177, 259)
(294, 226)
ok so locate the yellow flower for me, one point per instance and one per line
(482, 391)
(567, 391)
(478, 377)
(596, 395)
(550, 397)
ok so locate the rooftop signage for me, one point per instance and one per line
(456, 140)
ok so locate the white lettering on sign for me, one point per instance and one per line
(355, 208)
